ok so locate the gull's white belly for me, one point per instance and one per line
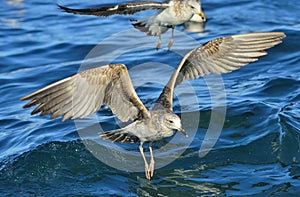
(168, 17)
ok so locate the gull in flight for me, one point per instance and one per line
(84, 93)
(170, 14)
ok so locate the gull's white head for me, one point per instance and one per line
(172, 121)
(195, 7)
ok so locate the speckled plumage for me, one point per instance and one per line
(84, 93)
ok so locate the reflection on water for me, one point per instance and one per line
(12, 21)
(14, 2)
(195, 24)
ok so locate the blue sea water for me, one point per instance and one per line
(257, 153)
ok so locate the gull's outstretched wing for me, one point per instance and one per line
(122, 9)
(84, 93)
(221, 55)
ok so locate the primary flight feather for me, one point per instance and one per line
(84, 93)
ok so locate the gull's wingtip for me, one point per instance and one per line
(59, 6)
(63, 8)
(279, 34)
(283, 34)
(27, 97)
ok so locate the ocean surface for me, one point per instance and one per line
(256, 154)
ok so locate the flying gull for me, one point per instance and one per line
(84, 93)
(170, 14)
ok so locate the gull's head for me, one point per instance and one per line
(172, 121)
(195, 7)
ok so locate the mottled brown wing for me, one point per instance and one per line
(84, 93)
(222, 55)
(122, 9)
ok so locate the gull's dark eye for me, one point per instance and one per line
(171, 121)
(192, 7)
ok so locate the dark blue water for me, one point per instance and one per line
(258, 152)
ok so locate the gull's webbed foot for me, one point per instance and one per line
(147, 172)
(151, 168)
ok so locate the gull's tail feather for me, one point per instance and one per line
(146, 26)
(140, 25)
(119, 136)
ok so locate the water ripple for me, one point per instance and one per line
(256, 154)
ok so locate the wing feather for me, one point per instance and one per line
(122, 9)
(221, 55)
(84, 93)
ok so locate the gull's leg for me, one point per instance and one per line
(151, 167)
(158, 42)
(172, 38)
(145, 161)
(159, 38)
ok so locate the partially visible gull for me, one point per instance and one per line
(171, 13)
(84, 93)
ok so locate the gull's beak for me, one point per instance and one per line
(183, 132)
(202, 15)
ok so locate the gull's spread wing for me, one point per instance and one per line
(221, 55)
(84, 93)
(122, 9)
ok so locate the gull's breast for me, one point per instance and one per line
(171, 16)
